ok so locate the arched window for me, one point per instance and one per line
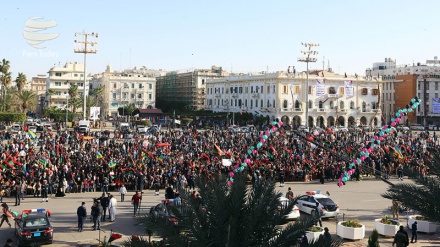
(261, 102)
(341, 105)
(364, 106)
(297, 104)
(351, 105)
(285, 104)
(331, 104)
(331, 90)
(274, 104)
(252, 103)
(268, 104)
(245, 102)
(310, 104)
(321, 105)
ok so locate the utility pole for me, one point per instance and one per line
(84, 49)
(308, 59)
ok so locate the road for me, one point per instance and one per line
(357, 200)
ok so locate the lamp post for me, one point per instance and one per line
(308, 59)
(67, 107)
(82, 44)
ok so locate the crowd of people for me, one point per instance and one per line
(69, 162)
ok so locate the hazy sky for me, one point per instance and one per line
(242, 36)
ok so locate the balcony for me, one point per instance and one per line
(321, 110)
(333, 95)
(343, 110)
(256, 95)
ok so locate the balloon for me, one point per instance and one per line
(262, 140)
(381, 138)
(267, 132)
(413, 100)
(393, 124)
(398, 120)
(344, 179)
(259, 145)
(378, 141)
(261, 136)
(265, 137)
(229, 183)
(254, 151)
(381, 133)
(274, 122)
(363, 158)
(410, 110)
(397, 114)
(356, 162)
(384, 135)
(280, 123)
(271, 131)
(392, 119)
(249, 151)
(247, 161)
(274, 129)
(231, 174)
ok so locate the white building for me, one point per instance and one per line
(333, 99)
(132, 86)
(59, 79)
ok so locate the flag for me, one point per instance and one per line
(32, 134)
(112, 164)
(397, 152)
(218, 150)
(99, 155)
(42, 161)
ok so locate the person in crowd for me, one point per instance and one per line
(96, 213)
(81, 212)
(44, 191)
(6, 214)
(17, 192)
(112, 207)
(104, 200)
(289, 194)
(122, 191)
(401, 238)
(395, 209)
(169, 192)
(317, 214)
(414, 232)
(136, 201)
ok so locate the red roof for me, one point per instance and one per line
(150, 111)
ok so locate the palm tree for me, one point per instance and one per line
(90, 102)
(50, 92)
(423, 196)
(10, 99)
(26, 99)
(73, 90)
(21, 81)
(75, 103)
(236, 215)
(5, 78)
(97, 93)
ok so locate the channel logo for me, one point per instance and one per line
(32, 32)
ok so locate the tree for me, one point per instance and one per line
(97, 94)
(422, 195)
(73, 90)
(90, 102)
(50, 92)
(75, 103)
(127, 110)
(5, 78)
(21, 81)
(26, 99)
(9, 99)
(373, 240)
(236, 215)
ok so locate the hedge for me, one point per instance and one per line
(12, 117)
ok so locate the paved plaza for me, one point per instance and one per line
(357, 200)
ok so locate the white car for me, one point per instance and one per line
(417, 127)
(32, 128)
(294, 214)
(142, 129)
(402, 128)
(307, 202)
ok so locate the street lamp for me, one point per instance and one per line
(308, 59)
(67, 107)
(82, 44)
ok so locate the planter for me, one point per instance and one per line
(313, 236)
(386, 229)
(422, 225)
(350, 232)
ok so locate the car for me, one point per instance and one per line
(16, 127)
(32, 128)
(142, 129)
(417, 127)
(29, 119)
(234, 128)
(354, 128)
(33, 226)
(306, 203)
(294, 214)
(303, 128)
(47, 126)
(432, 127)
(162, 211)
(402, 128)
(377, 128)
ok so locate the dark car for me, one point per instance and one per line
(33, 226)
(162, 211)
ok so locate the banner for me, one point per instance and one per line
(94, 112)
(435, 105)
(320, 88)
(226, 162)
(349, 90)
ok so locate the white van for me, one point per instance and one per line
(84, 126)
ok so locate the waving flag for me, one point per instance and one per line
(99, 155)
(112, 164)
(32, 134)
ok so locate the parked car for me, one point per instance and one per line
(417, 127)
(294, 214)
(402, 128)
(308, 201)
(432, 127)
(142, 129)
(303, 128)
(33, 227)
(234, 128)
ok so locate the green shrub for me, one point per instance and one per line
(12, 117)
(386, 220)
(314, 229)
(373, 240)
(352, 223)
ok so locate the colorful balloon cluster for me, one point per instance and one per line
(413, 104)
(253, 150)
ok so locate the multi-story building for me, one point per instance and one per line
(132, 86)
(38, 86)
(401, 83)
(59, 80)
(185, 88)
(332, 99)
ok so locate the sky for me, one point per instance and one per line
(240, 36)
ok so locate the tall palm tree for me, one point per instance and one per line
(21, 81)
(90, 102)
(26, 99)
(236, 215)
(73, 90)
(10, 99)
(50, 92)
(75, 103)
(5, 78)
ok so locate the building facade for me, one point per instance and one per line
(38, 86)
(135, 86)
(401, 83)
(185, 88)
(332, 99)
(59, 80)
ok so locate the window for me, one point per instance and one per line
(252, 102)
(124, 95)
(223, 90)
(58, 74)
(256, 88)
(364, 91)
(285, 104)
(310, 104)
(436, 95)
(268, 103)
(132, 85)
(75, 75)
(310, 89)
(203, 81)
(261, 89)
(436, 85)
(57, 83)
(332, 105)
(240, 89)
(256, 103)
(364, 107)
(427, 86)
(341, 90)
(114, 95)
(115, 104)
(231, 89)
(150, 86)
(273, 105)
(418, 85)
(150, 96)
(285, 89)
(375, 91)
(132, 96)
(114, 85)
(245, 102)
(297, 89)
(252, 89)
(273, 89)
(351, 105)
(246, 90)
(239, 102)
(261, 103)
(341, 105)
(320, 104)
(139, 96)
(297, 105)
(140, 85)
(331, 90)
(268, 89)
